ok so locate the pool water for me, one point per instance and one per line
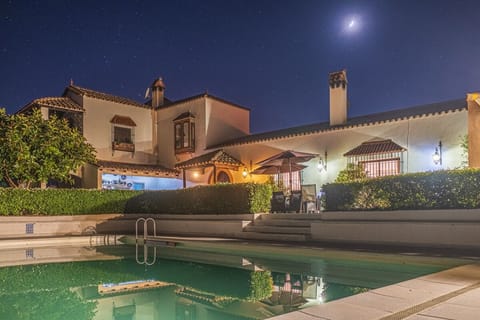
(184, 284)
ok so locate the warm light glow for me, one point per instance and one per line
(245, 173)
(436, 157)
(196, 174)
(321, 165)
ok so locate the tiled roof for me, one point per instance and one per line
(136, 168)
(375, 147)
(212, 158)
(63, 103)
(198, 96)
(104, 96)
(126, 121)
(367, 120)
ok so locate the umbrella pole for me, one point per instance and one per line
(290, 174)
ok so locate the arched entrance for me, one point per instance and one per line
(223, 176)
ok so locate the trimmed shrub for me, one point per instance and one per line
(214, 199)
(16, 202)
(455, 189)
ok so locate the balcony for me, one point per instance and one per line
(123, 146)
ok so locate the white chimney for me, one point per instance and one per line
(338, 97)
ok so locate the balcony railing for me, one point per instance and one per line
(123, 146)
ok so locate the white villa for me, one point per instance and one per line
(203, 139)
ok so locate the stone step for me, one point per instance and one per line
(277, 229)
(282, 223)
(270, 236)
(291, 216)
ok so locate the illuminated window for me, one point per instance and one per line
(184, 133)
(381, 168)
(378, 158)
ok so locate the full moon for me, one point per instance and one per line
(351, 24)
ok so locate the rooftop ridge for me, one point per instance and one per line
(104, 96)
(358, 121)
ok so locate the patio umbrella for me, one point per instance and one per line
(288, 159)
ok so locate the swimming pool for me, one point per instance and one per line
(179, 283)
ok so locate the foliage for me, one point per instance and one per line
(455, 189)
(34, 150)
(261, 285)
(17, 202)
(213, 199)
(48, 305)
(464, 147)
(216, 199)
(353, 172)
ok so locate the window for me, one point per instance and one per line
(282, 180)
(184, 133)
(123, 133)
(378, 158)
(381, 168)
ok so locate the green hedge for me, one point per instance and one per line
(15, 202)
(456, 189)
(214, 199)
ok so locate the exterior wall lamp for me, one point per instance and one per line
(322, 163)
(246, 171)
(437, 156)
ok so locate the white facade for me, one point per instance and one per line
(157, 148)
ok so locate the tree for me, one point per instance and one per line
(34, 150)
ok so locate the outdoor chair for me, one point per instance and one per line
(295, 201)
(309, 198)
(277, 202)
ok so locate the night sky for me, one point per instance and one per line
(271, 56)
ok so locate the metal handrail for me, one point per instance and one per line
(145, 236)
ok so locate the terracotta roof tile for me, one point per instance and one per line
(198, 96)
(126, 121)
(212, 158)
(104, 96)
(63, 103)
(134, 168)
(367, 120)
(375, 147)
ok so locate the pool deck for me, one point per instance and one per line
(449, 294)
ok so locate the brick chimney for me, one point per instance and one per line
(338, 97)
(473, 106)
(158, 91)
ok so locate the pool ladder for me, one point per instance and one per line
(145, 260)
